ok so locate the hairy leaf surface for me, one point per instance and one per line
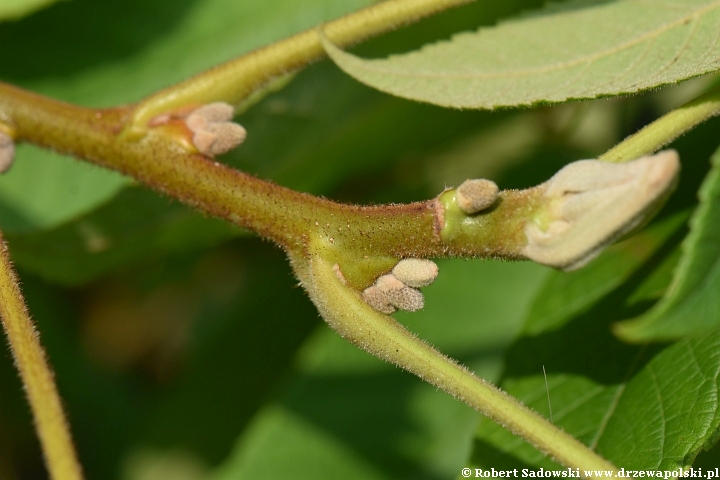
(574, 51)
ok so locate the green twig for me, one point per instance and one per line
(275, 212)
(53, 430)
(320, 234)
(236, 80)
(666, 129)
(384, 337)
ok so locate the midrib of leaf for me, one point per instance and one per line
(616, 399)
(658, 394)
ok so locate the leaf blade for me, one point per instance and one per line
(659, 416)
(690, 305)
(14, 9)
(565, 54)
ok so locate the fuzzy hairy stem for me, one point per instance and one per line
(35, 373)
(320, 234)
(385, 338)
(236, 80)
(275, 212)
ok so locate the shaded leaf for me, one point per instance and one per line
(14, 9)
(137, 225)
(566, 295)
(640, 409)
(588, 370)
(324, 129)
(579, 50)
(692, 304)
(211, 369)
(44, 189)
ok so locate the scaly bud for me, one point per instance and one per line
(416, 272)
(376, 299)
(476, 195)
(589, 204)
(211, 113)
(399, 294)
(214, 133)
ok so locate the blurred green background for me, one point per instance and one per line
(183, 347)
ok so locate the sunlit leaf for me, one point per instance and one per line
(578, 50)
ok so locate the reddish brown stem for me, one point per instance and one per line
(274, 212)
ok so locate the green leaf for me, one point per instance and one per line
(346, 414)
(691, 305)
(14, 9)
(566, 295)
(579, 50)
(137, 225)
(44, 189)
(638, 408)
(568, 332)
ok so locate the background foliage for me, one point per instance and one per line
(183, 348)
